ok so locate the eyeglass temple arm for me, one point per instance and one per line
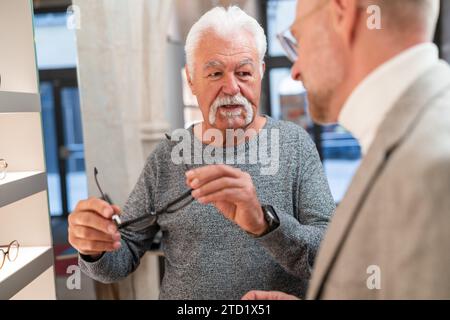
(104, 196)
(115, 218)
(186, 195)
(125, 224)
(8, 245)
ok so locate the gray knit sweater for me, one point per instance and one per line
(208, 256)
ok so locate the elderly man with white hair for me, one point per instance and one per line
(248, 228)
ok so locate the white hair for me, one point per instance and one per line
(224, 22)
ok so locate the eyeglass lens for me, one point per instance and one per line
(289, 46)
(13, 251)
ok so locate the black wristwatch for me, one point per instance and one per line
(271, 218)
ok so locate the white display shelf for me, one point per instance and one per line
(24, 214)
(20, 185)
(18, 102)
(30, 263)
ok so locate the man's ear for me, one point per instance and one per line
(189, 79)
(263, 69)
(344, 17)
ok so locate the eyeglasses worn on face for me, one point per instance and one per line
(288, 41)
(12, 251)
(289, 44)
(145, 221)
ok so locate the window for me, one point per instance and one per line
(340, 152)
(64, 151)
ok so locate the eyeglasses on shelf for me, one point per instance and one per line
(12, 251)
(3, 168)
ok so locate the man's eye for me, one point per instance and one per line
(244, 74)
(215, 75)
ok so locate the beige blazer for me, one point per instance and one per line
(390, 237)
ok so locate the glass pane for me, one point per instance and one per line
(13, 251)
(55, 43)
(342, 157)
(288, 99)
(340, 173)
(73, 135)
(280, 16)
(341, 151)
(51, 148)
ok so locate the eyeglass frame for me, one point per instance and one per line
(3, 168)
(170, 208)
(289, 46)
(6, 254)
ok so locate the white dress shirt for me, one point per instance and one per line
(375, 96)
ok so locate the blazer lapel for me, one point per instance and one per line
(398, 123)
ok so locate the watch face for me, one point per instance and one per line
(270, 213)
(271, 217)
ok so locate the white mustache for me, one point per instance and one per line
(235, 100)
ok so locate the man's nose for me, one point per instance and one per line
(295, 72)
(231, 86)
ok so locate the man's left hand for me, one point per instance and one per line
(232, 192)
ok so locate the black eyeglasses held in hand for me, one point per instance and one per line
(11, 252)
(145, 221)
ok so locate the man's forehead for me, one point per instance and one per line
(222, 49)
(227, 44)
(304, 8)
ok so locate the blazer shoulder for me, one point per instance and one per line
(426, 148)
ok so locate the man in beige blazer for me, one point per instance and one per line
(371, 66)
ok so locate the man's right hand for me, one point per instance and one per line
(91, 229)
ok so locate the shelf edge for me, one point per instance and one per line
(19, 102)
(23, 188)
(23, 277)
